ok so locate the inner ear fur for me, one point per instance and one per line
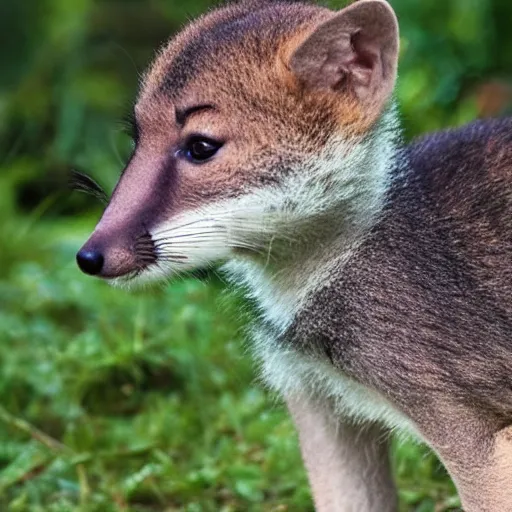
(355, 52)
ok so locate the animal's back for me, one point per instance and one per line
(466, 178)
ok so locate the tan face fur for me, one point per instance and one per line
(297, 98)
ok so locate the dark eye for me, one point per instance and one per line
(200, 149)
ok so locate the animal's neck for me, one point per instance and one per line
(340, 205)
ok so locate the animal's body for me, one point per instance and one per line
(268, 143)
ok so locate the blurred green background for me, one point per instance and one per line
(148, 401)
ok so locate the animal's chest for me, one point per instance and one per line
(293, 367)
(290, 371)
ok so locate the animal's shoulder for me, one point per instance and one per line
(478, 153)
(463, 178)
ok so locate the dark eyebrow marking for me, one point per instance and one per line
(183, 115)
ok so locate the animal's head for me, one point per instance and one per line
(258, 129)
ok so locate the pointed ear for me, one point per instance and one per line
(354, 52)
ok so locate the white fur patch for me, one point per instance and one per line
(291, 373)
(280, 296)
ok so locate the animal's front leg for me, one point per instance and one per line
(479, 459)
(348, 466)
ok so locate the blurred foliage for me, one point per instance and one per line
(111, 401)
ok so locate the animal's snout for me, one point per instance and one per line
(90, 262)
(121, 245)
(110, 254)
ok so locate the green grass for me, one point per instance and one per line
(142, 401)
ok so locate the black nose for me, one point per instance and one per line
(90, 262)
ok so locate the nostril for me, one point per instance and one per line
(90, 262)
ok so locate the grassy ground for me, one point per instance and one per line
(142, 401)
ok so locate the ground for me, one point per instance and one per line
(114, 400)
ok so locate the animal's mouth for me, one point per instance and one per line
(110, 257)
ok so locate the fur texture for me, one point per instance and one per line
(382, 273)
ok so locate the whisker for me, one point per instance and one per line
(186, 235)
(146, 253)
(144, 258)
(180, 226)
(186, 243)
(218, 216)
(236, 244)
(255, 248)
(81, 182)
(199, 235)
(176, 257)
(145, 250)
(184, 247)
(173, 259)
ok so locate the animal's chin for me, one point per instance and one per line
(132, 280)
(155, 274)
(140, 277)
